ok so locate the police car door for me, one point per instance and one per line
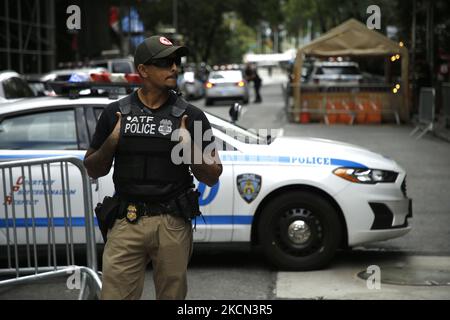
(216, 202)
(52, 193)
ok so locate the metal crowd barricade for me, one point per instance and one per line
(426, 112)
(344, 103)
(23, 224)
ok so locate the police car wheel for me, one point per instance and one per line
(208, 102)
(299, 231)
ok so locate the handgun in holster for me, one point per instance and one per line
(106, 213)
(187, 204)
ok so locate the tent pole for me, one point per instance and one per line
(296, 82)
(405, 84)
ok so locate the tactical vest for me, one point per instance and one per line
(143, 155)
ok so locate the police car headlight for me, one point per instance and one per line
(368, 176)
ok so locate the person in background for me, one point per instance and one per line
(251, 75)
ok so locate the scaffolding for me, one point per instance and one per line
(27, 40)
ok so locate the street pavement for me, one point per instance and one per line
(415, 266)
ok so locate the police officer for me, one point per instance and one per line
(155, 191)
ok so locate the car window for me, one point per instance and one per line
(63, 77)
(122, 67)
(216, 76)
(46, 130)
(99, 65)
(338, 70)
(16, 88)
(98, 112)
(234, 75)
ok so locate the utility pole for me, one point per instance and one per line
(175, 15)
(413, 33)
(430, 38)
(412, 66)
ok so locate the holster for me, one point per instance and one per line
(187, 204)
(106, 213)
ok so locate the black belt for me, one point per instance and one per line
(148, 209)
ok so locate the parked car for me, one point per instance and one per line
(75, 75)
(226, 85)
(13, 86)
(190, 86)
(116, 65)
(300, 199)
(331, 73)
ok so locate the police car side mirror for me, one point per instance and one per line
(235, 112)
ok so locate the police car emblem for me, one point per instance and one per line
(248, 185)
(131, 213)
(165, 126)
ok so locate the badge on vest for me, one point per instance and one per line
(131, 213)
(165, 127)
(147, 126)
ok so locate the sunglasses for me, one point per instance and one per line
(164, 62)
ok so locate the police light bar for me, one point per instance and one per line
(100, 77)
(112, 89)
(115, 77)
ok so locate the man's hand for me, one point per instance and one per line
(205, 171)
(185, 136)
(99, 162)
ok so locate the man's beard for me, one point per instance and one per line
(171, 87)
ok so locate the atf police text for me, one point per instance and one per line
(141, 124)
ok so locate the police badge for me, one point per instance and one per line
(165, 126)
(248, 185)
(131, 213)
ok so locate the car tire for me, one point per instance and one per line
(316, 240)
(208, 102)
(245, 101)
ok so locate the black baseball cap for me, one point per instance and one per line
(156, 47)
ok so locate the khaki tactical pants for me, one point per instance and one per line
(165, 240)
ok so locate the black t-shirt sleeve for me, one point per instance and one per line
(104, 127)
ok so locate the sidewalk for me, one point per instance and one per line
(402, 278)
(441, 130)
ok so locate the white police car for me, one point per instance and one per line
(299, 198)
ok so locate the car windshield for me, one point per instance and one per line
(122, 67)
(237, 132)
(234, 75)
